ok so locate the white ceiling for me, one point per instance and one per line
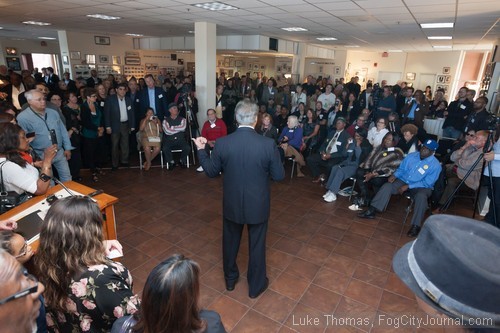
(376, 25)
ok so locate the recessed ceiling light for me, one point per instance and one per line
(395, 51)
(47, 38)
(214, 6)
(436, 25)
(36, 23)
(135, 35)
(440, 37)
(351, 46)
(104, 17)
(442, 46)
(326, 38)
(294, 29)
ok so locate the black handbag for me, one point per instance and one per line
(8, 199)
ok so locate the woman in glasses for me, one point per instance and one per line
(85, 291)
(170, 302)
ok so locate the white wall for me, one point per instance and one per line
(27, 46)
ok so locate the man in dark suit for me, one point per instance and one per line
(70, 84)
(153, 97)
(119, 121)
(51, 80)
(247, 159)
(93, 80)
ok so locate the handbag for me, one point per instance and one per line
(154, 138)
(8, 199)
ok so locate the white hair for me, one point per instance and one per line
(246, 112)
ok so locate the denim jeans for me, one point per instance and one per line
(61, 164)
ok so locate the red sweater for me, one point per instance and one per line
(212, 133)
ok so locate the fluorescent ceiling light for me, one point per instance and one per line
(440, 37)
(191, 31)
(351, 46)
(294, 29)
(395, 51)
(182, 51)
(36, 23)
(1, 28)
(104, 17)
(436, 25)
(243, 52)
(135, 35)
(47, 38)
(227, 55)
(442, 46)
(214, 6)
(326, 38)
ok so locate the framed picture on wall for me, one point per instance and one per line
(337, 70)
(103, 59)
(13, 63)
(90, 58)
(102, 40)
(441, 78)
(447, 79)
(410, 76)
(74, 55)
(117, 60)
(173, 57)
(180, 61)
(446, 70)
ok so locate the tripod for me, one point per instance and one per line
(489, 143)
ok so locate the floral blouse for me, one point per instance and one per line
(99, 296)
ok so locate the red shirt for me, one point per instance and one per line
(214, 131)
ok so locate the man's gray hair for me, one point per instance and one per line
(294, 121)
(246, 112)
(29, 94)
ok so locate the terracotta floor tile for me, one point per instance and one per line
(341, 264)
(314, 254)
(302, 268)
(371, 275)
(316, 216)
(384, 248)
(137, 238)
(153, 245)
(364, 292)
(330, 231)
(355, 239)
(395, 285)
(134, 259)
(376, 259)
(254, 322)
(321, 299)
(305, 319)
(332, 280)
(395, 305)
(288, 245)
(362, 229)
(275, 305)
(355, 314)
(290, 286)
(143, 271)
(215, 279)
(299, 233)
(231, 311)
(207, 296)
(348, 250)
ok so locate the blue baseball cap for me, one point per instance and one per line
(431, 144)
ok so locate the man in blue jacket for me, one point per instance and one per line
(417, 174)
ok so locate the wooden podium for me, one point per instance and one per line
(104, 201)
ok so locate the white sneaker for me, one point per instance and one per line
(327, 193)
(331, 197)
(200, 169)
(354, 207)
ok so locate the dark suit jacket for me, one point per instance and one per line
(420, 112)
(53, 82)
(247, 159)
(112, 113)
(91, 83)
(341, 147)
(160, 102)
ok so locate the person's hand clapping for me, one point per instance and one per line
(200, 142)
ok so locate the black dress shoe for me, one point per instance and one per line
(230, 284)
(414, 230)
(368, 214)
(262, 290)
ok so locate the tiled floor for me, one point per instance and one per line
(329, 271)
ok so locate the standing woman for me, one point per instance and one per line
(71, 112)
(92, 130)
(84, 290)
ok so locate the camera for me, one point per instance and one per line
(53, 136)
(493, 121)
(152, 118)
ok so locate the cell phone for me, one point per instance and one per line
(51, 199)
(30, 135)
(53, 137)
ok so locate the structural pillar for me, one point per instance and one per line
(205, 48)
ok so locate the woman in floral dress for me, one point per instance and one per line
(84, 290)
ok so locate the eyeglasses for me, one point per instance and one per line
(470, 134)
(24, 250)
(25, 292)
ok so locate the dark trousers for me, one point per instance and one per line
(231, 238)
(316, 164)
(90, 153)
(169, 145)
(489, 218)
(119, 145)
(376, 183)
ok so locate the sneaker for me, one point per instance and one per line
(327, 193)
(200, 169)
(355, 207)
(331, 197)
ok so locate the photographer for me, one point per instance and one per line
(150, 137)
(493, 157)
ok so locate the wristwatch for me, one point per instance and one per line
(44, 177)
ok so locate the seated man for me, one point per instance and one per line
(359, 123)
(464, 159)
(417, 173)
(212, 129)
(332, 151)
(174, 128)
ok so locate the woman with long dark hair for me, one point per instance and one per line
(84, 290)
(170, 302)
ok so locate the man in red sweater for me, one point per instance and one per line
(213, 129)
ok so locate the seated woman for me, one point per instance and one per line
(377, 133)
(300, 113)
(16, 245)
(310, 129)
(84, 290)
(170, 302)
(409, 143)
(266, 127)
(357, 151)
(290, 142)
(150, 137)
(378, 167)
(18, 175)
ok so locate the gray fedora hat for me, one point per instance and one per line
(454, 266)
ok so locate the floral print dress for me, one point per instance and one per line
(98, 296)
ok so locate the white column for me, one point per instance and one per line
(205, 47)
(299, 63)
(64, 51)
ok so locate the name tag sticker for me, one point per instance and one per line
(390, 149)
(137, 100)
(463, 107)
(417, 109)
(356, 127)
(102, 103)
(160, 96)
(350, 151)
(129, 107)
(212, 125)
(338, 143)
(422, 171)
(291, 131)
(472, 121)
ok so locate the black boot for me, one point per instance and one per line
(368, 214)
(414, 230)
